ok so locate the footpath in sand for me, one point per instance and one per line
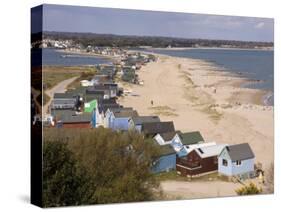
(196, 96)
(59, 88)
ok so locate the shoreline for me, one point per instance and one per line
(89, 54)
(262, 93)
(197, 97)
(261, 96)
(216, 48)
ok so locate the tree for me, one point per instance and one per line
(249, 190)
(63, 180)
(117, 167)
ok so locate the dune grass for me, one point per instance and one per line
(163, 110)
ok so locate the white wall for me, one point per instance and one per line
(15, 168)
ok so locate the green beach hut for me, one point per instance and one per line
(90, 106)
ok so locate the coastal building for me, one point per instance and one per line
(128, 74)
(64, 101)
(63, 104)
(165, 160)
(118, 118)
(77, 91)
(153, 128)
(86, 83)
(199, 161)
(89, 107)
(90, 97)
(107, 70)
(108, 116)
(72, 119)
(166, 137)
(102, 109)
(189, 148)
(237, 160)
(99, 79)
(189, 138)
(109, 90)
(181, 140)
(135, 123)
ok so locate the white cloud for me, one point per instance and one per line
(259, 25)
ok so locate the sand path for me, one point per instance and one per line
(59, 88)
(193, 190)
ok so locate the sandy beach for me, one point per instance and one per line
(198, 97)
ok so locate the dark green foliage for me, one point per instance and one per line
(64, 180)
(111, 40)
(117, 167)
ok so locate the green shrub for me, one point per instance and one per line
(249, 189)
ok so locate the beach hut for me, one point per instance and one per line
(135, 123)
(118, 118)
(71, 119)
(85, 83)
(90, 106)
(153, 128)
(237, 160)
(199, 161)
(181, 140)
(165, 160)
(101, 112)
(189, 138)
(64, 101)
(165, 138)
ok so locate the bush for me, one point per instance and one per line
(96, 166)
(249, 190)
(64, 181)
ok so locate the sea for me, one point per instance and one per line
(256, 65)
(53, 57)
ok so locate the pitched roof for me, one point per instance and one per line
(103, 108)
(64, 96)
(191, 138)
(57, 113)
(209, 151)
(240, 152)
(78, 90)
(103, 87)
(125, 113)
(96, 92)
(90, 97)
(157, 127)
(191, 147)
(100, 77)
(164, 149)
(76, 118)
(90, 106)
(121, 109)
(107, 101)
(63, 102)
(167, 136)
(145, 119)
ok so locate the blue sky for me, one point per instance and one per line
(136, 22)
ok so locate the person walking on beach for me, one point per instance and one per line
(151, 102)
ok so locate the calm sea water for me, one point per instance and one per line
(53, 57)
(252, 64)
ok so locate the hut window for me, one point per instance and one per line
(238, 163)
(224, 162)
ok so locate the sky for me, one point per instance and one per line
(151, 23)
